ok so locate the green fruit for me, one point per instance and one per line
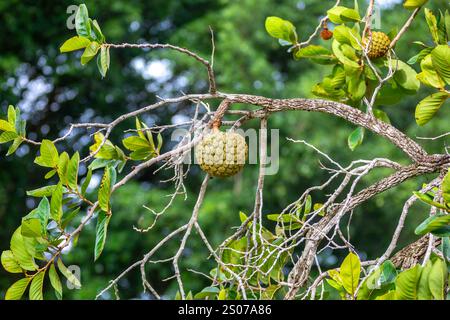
(222, 154)
(379, 45)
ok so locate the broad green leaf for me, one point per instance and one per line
(74, 43)
(46, 191)
(50, 174)
(16, 291)
(36, 286)
(428, 107)
(105, 190)
(16, 144)
(346, 35)
(281, 29)
(423, 289)
(445, 187)
(207, 292)
(342, 52)
(437, 279)
(86, 182)
(55, 281)
(90, 52)
(349, 272)
(334, 14)
(31, 228)
(10, 263)
(355, 138)
(82, 24)
(405, 76)
(350, 15)
(103, 61)
(440, 57)
(446, 248)
(7, 136)
(56, 203)
(12, 114)
(438, 225)
(20, 252)
(285, 218)
(419, 57)
(390, 295)
(429, 200)
(6, 126)
(35, 223)
(432, 24)
(63, 162)
(69, 275)
(49, 155)
(141, 154)
(97, 31)
(381, 115)
(407, 283)
(429, 76)
(68, 217)
(101, 232)
(356, 87)
(134, 143)
(72, 171)
(318, 54)
(413, 4)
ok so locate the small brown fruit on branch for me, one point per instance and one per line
(326, 34)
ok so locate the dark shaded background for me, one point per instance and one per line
(53, 90)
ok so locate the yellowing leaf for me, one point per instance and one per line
(9, 262)
(74, 43)
(36, 286)
(349, 272)
(16, 291)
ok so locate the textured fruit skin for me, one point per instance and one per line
(379, 45)
(222, 154)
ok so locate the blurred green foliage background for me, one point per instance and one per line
(54, 90)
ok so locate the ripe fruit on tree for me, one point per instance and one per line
(378, 44)
(326, 34)
(222, 154)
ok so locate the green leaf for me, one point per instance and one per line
(429, 76)
(55, 281)
(445, 187)
(355, 138)
(432, 24)
(36, 286)
(349, 272)
(49, 155)
(16, 291)
(346, 35)
(101, 232)
(439, 225)
(69, 275)
(10, 263)
(381, 115)
(440, 57)
(7, 136)
(316, 53)
(16, 144)
(405, 76)
(6, 126)
(340, 14)
(56, 203)
(20, 252)
(281, 29)
(428, 107)
(105, 190)
(90, 52)
(97, 31)
(86, 182)
(134, 143)
(103, 61)
(35, 223)
(407, 283)
(413, 4)
(82, 24)
(437, 279)
(68, 217)
(46, 191)
(74, 43)
(341, 51)
(141, 154)
(72, 171)
(429, 200)
(207, 292)
(423, 288)
(62, 167)
(11, 114)
(419, 57)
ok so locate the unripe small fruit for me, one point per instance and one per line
(326, 34)
(222, 154)
(379, 45)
